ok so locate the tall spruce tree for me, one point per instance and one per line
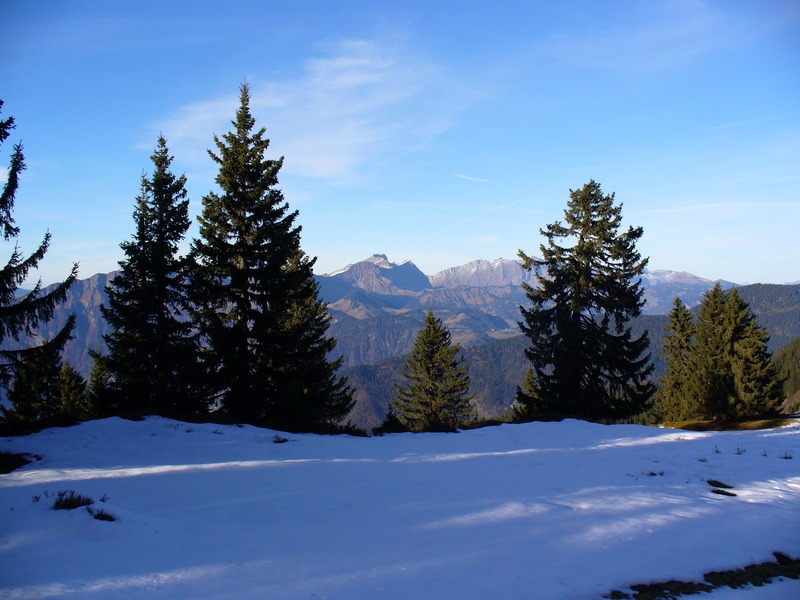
(151, 359)
(758, 387)
(20, 315)
(586, 361)
(732, 375)
(675, 401)
(435, 396)
(256, 301)
(712, 384)
(787, 364)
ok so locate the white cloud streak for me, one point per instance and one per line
(470, 178)
(678, 33)
(362, 103)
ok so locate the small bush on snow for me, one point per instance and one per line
(68, 500)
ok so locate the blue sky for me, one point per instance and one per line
(437, 132)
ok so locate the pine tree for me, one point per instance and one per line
(675, 401)
(586, 361)
(711, 377)
(74, 400)
(787, 364)
(732, 374)
(35, 393)
(256, 302)
(534, 407)
(19, 316)
(44, 392)
(758, 387)
(435, 396)
(151, 359)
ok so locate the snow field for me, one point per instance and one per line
(568, 510)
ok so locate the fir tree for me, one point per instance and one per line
(45, 392)
(732, 375)
(757, 389)
(35, 393)
(256, 302)
(586, 361)
(435, 396)
(74, 399)
(19, 316)
(151, 361)
(787, 364)
(533, 408)
(675, 401)
(711, 378)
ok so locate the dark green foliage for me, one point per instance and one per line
(97, 391)
(435, 395)
(74, 397)
(391, 424)
(787, 363)
(150, 364)
(255, 300)
(533, 408)
(729, 373)
(675, 401)
(586, 360)
(19, 316)
(34, 393)
(45, 392)
(757, 385)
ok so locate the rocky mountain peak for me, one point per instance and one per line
(483, 273)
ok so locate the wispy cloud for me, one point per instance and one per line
(360, 103)
(667, 36)
(727, 209)
(470, 178)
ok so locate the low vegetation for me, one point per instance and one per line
(752, 575)
(70, 500)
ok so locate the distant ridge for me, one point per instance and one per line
(377, 306)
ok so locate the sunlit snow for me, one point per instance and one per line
(567, 510)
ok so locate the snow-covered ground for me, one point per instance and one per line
(567, 510)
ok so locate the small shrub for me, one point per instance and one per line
(102, 515)
(279, 439)
(68, 500)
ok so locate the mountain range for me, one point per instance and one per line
(377, 308)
